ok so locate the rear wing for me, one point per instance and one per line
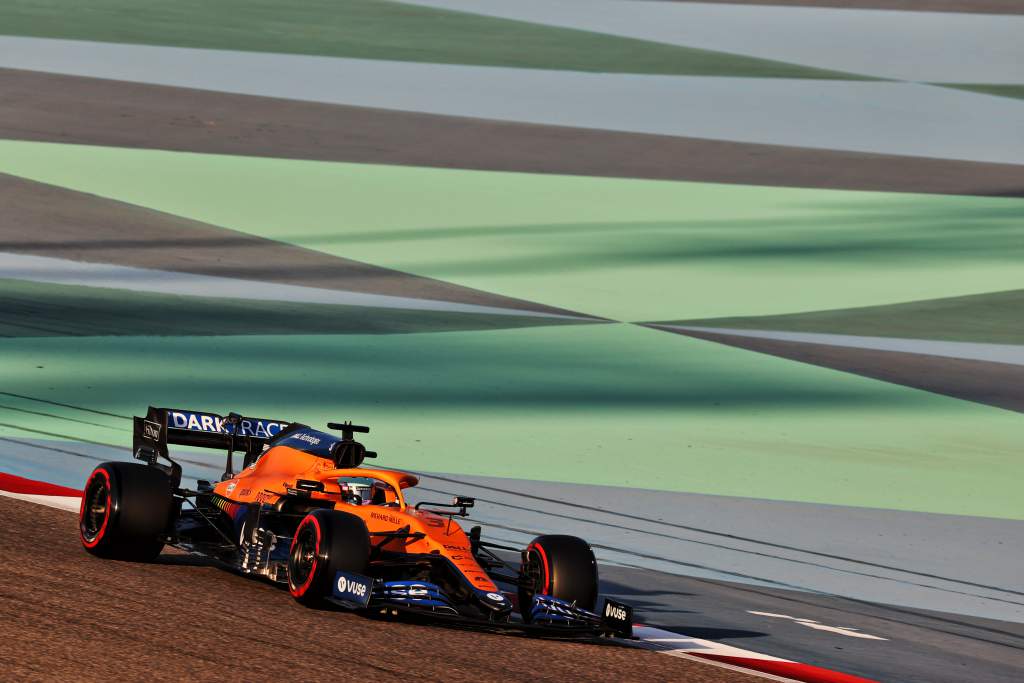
(163, 426)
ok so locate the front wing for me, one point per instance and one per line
(548, 616)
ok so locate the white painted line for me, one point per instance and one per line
(993, 353)
(79, 273)
(649, 638)
(68, 503)
(731, 667)
(818, 626)
(747, 661)
(654, 637)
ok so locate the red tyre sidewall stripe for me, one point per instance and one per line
(544, 562)
(299, 591)
(793, 670)
(106, 515)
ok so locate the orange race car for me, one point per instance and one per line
(302, 512)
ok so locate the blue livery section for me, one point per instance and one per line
(551, 611)
(419, 594)
(214, 424)
(309, 440)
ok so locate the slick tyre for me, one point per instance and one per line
(326, 542)
(125, 512)
(560, 566)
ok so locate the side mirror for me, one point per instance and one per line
(348, 453)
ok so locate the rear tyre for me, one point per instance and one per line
(326, 542)
(560, 566)
(125, 512)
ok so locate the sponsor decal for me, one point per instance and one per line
(245, 492)
(463, 548)
(308, 438)
(151, 430)
(352, 588)
(263, 429)
(618, 618)
(231, 486)
(496, 597)
(613, 611)
(433, 521)
(214, 424)
(385, 518)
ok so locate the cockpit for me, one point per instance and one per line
(367, 491)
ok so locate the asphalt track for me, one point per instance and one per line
(49, 107)
(919, 646)
(180, 619)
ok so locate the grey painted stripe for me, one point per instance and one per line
(66, 272)
(889, 118)
(913, 46)
(993, 353)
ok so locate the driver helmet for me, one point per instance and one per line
(356, 491)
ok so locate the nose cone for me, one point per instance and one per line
(495, 602)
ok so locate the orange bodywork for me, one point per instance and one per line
(268, 479)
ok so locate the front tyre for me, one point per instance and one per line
(326, 542)
(560, 566)
(125, 512)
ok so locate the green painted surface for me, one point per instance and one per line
(619, 248)
(987, 89)
(372, 29)
(601, 404)
(993, 318)
(31, 309)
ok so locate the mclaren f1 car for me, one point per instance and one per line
(303, 512)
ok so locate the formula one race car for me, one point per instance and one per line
(302, 512)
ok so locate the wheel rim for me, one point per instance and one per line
(95, 508)
(302, 559)
(533, 574)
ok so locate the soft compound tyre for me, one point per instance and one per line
(326, 542)
(126, 508)
(560, 566)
